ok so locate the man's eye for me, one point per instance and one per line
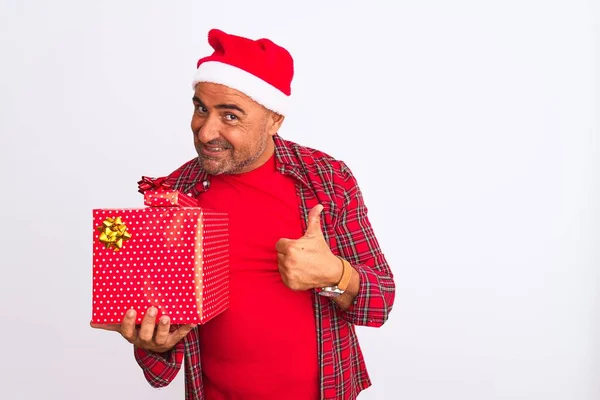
(200, 109)
(230, 117)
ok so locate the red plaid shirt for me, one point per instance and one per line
(320, 180)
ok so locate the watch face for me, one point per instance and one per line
(330, 292)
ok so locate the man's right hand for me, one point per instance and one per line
(149, 335)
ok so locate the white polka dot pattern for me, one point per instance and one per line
(176, 260)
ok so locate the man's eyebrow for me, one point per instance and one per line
(221, 106)
(230, 107)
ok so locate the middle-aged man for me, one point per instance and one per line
(305, 265)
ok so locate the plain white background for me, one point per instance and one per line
(472, 127)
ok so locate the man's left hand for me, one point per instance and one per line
(308, 263)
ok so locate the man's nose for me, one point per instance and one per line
(209, 129)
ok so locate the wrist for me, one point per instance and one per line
(335, 271)
(340, 285)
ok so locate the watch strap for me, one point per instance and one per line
(346, 275)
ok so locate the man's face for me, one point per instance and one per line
(231, 131)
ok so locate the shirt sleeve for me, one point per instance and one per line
(358, 245)
(160, 368)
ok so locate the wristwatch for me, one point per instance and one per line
(340, 288)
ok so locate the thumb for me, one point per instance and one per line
(313, 227)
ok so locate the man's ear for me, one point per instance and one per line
(275, 121)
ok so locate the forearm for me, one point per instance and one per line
(374, 298)
(369, 295)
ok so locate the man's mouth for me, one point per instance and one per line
(211, 149)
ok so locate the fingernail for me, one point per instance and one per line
(131, 313)
(164, 319)
(152, 312)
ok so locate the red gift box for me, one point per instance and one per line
(172, 255)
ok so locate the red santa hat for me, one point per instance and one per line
(259, 68)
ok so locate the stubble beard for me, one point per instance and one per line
(236, 160)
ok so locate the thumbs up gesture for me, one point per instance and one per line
(307, 262)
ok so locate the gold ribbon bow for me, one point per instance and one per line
(113, 232)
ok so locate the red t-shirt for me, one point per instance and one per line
(264, 346)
